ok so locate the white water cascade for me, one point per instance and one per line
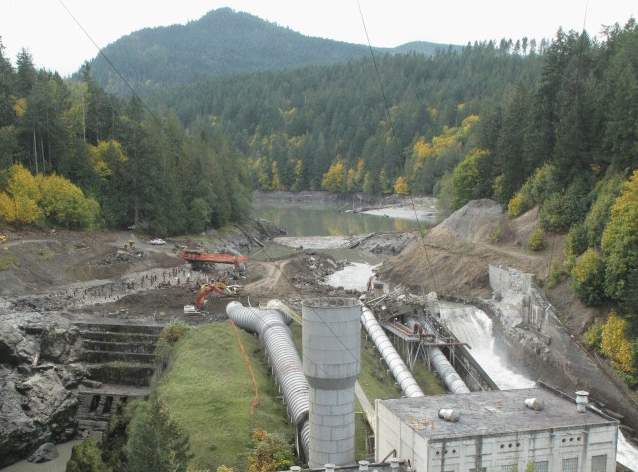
(472, 326)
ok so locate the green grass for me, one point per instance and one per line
(209, 390)
(7, 258)
(45, 255)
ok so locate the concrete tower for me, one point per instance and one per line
(331, 363)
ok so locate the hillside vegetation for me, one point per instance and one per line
(222, 42)
(552, 126)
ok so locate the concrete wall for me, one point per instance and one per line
(493, 452)
(531, 326)
(331, 363)
(392, 434)
(505, 281)
(516, 451)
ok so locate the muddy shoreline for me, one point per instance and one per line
(80, 276)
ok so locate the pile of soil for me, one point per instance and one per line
(453, 259)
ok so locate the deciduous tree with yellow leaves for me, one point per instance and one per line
(28, 200)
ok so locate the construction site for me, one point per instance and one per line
(118, 291)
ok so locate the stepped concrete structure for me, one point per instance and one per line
(120, 362)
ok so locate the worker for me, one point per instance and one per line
(418, 329)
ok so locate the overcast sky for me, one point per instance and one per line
(57, 43)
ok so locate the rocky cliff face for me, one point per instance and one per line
(38, 374)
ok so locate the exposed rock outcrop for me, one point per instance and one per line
(36, 403)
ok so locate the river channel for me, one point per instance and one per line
(327, 228)
(324, 229)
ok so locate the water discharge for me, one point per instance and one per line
(472, 326)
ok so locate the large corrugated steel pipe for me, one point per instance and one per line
(275, 335)
(399, 370)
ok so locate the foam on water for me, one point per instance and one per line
(472, 326)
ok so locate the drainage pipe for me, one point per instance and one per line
(399, 370)
(442, 365)
(270, 325)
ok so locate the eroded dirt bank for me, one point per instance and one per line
(80, 276)
(454, 260)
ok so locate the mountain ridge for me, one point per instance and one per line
(222, 41)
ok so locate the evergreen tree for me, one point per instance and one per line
(155, 441)
(26, 73)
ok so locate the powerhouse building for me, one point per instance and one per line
(496, 431)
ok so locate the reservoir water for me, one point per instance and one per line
(328, 220)
(327, 229)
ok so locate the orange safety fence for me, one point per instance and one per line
(250, 369)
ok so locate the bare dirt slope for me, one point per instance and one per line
(453, 258)
(90, 275)
(54, 270)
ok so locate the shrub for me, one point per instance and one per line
(536, 240)
(606, 193)
(588, 277)
(28, 200)
(543, 183)
(174, 330)
(594, 336)
(554, 275)
(165, 347)
(86, 456)
(519, 204)
(577, 239)
(269, 452)
(470, 178)
(615, 345)
(620, 241)
(65, 204)
(551, 215)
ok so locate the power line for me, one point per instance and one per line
(396, 145)
(109, 61)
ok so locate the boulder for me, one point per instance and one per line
(14, 347)
(33, 410)
(44, 453)
(25, 336)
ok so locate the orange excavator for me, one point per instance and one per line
(220, 288)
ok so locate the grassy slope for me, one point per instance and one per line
(210, 390)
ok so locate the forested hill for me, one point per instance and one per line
(221, 42)
(300, 122)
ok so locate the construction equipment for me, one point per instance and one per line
(203, 260)
(221, 289)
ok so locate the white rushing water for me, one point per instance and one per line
(472, 326)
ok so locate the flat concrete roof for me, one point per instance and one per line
(490, 413)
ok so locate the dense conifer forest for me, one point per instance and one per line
(221, 42)
(553, 123)
(116, 163)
